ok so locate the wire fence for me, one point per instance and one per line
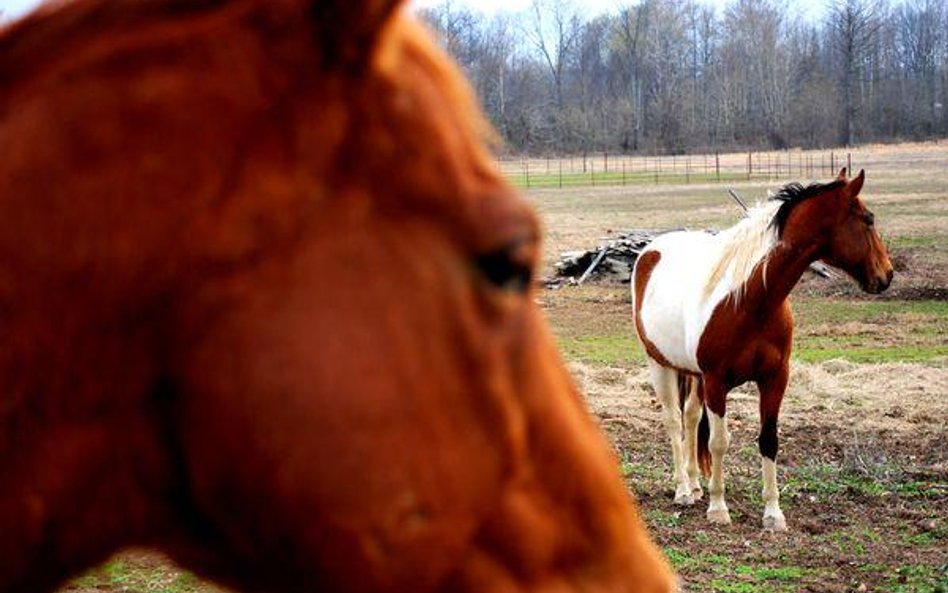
(610, 170)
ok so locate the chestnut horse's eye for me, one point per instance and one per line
(869, 218)
(505, 269)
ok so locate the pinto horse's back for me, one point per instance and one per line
(267, 307)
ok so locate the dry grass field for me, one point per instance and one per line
(863, 465)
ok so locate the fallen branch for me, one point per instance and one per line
(592, 266)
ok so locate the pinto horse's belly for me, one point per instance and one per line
(675, 305)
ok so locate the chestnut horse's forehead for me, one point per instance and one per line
(442, 141)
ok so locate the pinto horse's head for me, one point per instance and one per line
(833, 220)
(268, 307)
(855, 246)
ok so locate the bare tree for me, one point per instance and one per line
(852, 28)
(628, 44)
(674, 75)
(921, 37)
(554, 30)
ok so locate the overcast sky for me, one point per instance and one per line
(809, 8)
(812, 8)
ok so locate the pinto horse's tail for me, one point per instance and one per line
(685, 384)
(704, 435)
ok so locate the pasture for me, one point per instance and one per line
(864, 441)
(863, 460)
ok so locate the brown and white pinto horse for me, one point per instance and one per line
(266, 306)
(716, 308)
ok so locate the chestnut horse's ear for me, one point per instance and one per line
(349, 29)
(856, 184)
(842, 174)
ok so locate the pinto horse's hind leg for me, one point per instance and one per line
(665, 382)
(771, 395)
(715, 395)
(692, 416)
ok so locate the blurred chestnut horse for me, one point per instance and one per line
(716, 308)
(266, 306)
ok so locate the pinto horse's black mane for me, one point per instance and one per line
(794, 194)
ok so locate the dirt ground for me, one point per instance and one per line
(863, 463)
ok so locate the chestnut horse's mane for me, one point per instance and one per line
(794, 194)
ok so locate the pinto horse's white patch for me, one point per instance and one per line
(696, 272)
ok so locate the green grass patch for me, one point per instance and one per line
(917, 578)
(641, 472)
(657, 517)
(746, 578)
(682, 561)
(884, 331)
(729, 586)
(867, 354)
(924, 539)
(612, 350)
(917, 241)
(827, 480)
(815, 310)
(728, 576)
(767, 573)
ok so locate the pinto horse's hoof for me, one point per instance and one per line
(697, 493)
(775, 523)
(684, 499)
(719, 517)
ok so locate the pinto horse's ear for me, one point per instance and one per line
(856, 184)
(842, 174)
(349, 29)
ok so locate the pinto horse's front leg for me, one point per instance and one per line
(771, 395)
(715, 394)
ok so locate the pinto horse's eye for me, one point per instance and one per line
(506, 268)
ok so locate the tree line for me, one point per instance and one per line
(675, 76)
